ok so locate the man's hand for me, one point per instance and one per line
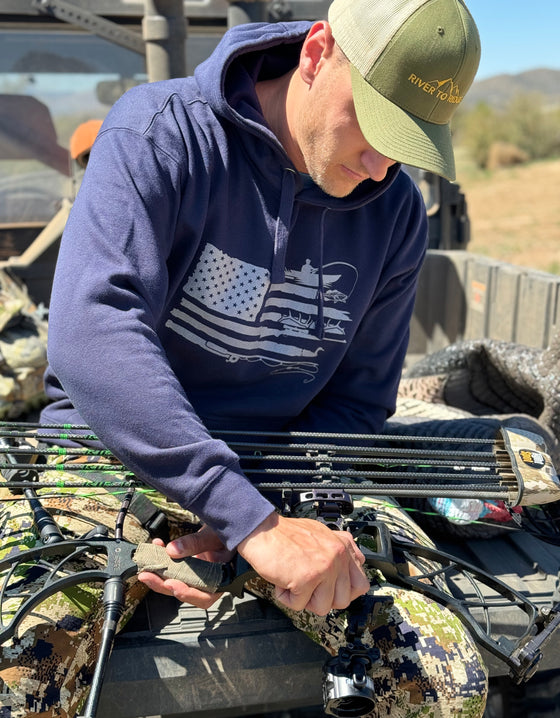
(311, 566)
(203, 544)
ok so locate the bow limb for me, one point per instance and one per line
(8, 631)
(124, 559)
(398, 561)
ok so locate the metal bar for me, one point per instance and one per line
(67, 12)
(164, 30)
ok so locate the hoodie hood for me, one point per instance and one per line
(227, 78)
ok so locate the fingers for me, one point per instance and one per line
(311, 566)
(204, 541)
(358, 555)
(205, 545)
(359, 582)
(342, 594)
(334, 589)
(331, 595)
(182, 592)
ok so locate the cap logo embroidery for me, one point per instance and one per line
(443, 90)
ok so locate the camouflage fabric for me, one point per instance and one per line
(23, 350)
(429, 666)
(47, 668)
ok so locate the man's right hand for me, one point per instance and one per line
(311, 566)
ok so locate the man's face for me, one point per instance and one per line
(335, 152)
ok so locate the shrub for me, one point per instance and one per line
(526, 124)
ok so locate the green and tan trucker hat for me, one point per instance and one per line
(412, 61)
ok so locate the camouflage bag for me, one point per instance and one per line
(23, 350)
(429, 665)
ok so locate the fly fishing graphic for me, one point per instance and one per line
(230, 307)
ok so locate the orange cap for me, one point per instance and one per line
(82, 139)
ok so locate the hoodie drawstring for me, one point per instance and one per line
(281, 235)
(283, 221)
(320, 324)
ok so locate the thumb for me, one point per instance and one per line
(188, 545)
(204, 543)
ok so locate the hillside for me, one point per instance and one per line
(515, 214)
(498, 90)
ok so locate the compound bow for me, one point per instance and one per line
(321, 471)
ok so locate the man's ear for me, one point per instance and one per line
(318, 46)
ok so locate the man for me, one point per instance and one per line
(243, 253)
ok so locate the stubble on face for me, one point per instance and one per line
(326, 126)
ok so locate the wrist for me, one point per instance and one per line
(269, 523)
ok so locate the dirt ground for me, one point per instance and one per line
(515, 214)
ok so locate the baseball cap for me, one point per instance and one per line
(412, 61)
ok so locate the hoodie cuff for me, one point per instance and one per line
(232, 507)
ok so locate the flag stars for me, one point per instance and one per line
(224, 284)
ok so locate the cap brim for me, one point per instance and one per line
(399, 135)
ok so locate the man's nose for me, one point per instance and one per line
(376, 164)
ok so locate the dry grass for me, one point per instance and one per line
(515, 213)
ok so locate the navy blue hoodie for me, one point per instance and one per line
(203, 284)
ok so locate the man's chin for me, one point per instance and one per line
(335, 188)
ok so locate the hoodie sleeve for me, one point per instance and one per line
(362, 393)
(109, 293)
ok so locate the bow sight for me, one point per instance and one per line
(309, 474)
(348, 689)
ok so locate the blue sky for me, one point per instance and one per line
(517, 35)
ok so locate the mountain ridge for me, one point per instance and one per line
(498, 90)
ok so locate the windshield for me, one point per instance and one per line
(51, 82)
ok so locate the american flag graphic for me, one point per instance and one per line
(228, 285)
(230, 308)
